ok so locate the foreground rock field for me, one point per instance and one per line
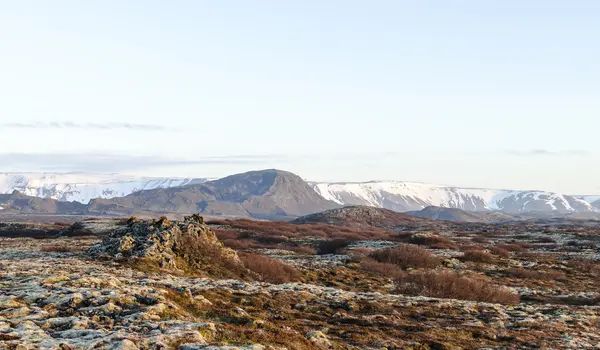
(318, 287)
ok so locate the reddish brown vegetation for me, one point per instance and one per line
(478, 256)
(289, 230)
(584, 265)
(433, 241)
(334, 246)
(384, 269)
(300, 249)
(270, 270)
(538, 275)
(480, 239)
(451, 285)
(512, 247)
(501, 252)
(407, 256)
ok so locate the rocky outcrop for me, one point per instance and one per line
(362, 216)
(187, 244)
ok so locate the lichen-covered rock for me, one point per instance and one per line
(319, 339)
(168, 244)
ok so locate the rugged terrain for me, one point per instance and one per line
(239, 195)
(267, 194)
(263, 194)
(133, 284)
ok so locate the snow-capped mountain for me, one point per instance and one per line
(407, 196)
(593, 200)
(82, 187)
(395, 195)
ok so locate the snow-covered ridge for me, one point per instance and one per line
(82, 187)
(394, 195)
(405, 196)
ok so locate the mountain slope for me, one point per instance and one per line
(455, 214)
(17, 202)
(83, 187)
(410, 196)
(264, 194)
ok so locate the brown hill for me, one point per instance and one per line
(17, 202)
(363, 216)
(265, 194)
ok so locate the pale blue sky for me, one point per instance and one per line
(474, 93)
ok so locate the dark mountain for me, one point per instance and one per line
(363, 216)
(454, 214)
(17, 202)
(265, 194)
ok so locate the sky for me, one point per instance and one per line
(498, 94)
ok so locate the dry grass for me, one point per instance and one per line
(451, 285)
(270, 270)
(407, 256)
(61, 248)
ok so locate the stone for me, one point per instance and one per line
(319, 339)
(160, 242)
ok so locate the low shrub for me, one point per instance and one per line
(466, 248)
(197, 254)
(512, 247)
(433, 241)
(384, 269)
(451, 285)
(501, 252)
(239, 244)
(270, 270)
(584, 265)
(301, 249)
(407, 256)
(545, 239)
(477, 256)
(537, 275)
(334, 246)
(480, 239)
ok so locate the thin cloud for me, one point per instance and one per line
(99, 162)
(548, 153)
(85, 126)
